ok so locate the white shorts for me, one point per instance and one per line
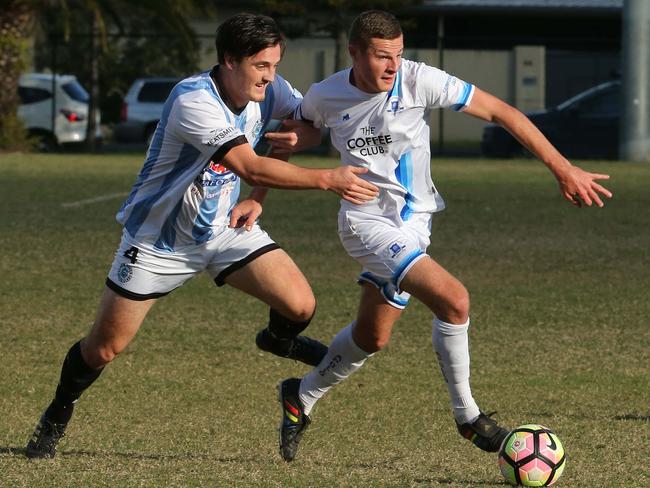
(141, 272)
(386, 251)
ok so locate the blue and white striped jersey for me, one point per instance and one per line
(183, 194)
(388, 133)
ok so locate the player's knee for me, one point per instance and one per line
(98, 357)
(456, 309)
(302, 310)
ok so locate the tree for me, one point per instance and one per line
(15, 25)
(19, 18)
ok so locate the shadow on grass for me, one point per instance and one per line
(457, 481)
(20, 451)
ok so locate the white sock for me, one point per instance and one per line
(451, 344)
(343, 358)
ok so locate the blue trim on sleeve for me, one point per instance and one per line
(464, 98)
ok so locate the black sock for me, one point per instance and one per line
(76, 377)
(282, 328)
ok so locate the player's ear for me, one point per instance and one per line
(229, 61)
(353, 50)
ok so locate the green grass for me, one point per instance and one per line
(560, 337)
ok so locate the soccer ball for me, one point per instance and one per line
(532, 455)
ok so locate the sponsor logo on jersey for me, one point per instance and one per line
(395, 248)
(220, 135)
(370, 145)
(125, 273)
(217, 168)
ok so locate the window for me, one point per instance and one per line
(155, 91)
(605, 104)
(29, 95)
(76, 91)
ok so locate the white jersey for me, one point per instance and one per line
(388, 133)
(183, 193)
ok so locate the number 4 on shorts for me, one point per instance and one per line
(132, 254)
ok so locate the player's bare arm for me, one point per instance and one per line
(294, 136)
(273, 173)
(576, 185)
(247, 211)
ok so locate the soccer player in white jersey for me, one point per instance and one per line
(377, 112)
(182, 215)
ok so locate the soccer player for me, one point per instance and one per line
(377, 112)
(182, 215)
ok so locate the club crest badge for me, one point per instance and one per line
(125, 273)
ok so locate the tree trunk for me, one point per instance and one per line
(91, 142)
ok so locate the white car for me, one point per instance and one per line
(142, 108)
(70, 108)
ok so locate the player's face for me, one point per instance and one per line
(253, 74)
(374, 68)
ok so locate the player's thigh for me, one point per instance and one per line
(375, 319)
(117, 321)
(438, 289)
(276, 280)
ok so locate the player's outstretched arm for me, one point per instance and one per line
(293, 136)
(576, 185)
(273, 173)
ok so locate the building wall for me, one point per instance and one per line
(308, 60)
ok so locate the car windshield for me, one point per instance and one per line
(76, 91)
(155, 91)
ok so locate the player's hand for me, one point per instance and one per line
(345, 182)
(295, 135)
(244, 214)
(579, 186)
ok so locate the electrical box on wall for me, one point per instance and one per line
(530, 80)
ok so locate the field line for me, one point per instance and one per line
(88, 201)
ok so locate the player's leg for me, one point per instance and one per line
(275, 279)
(117, 321)
(448, 299)
(139, 275)
(349, 350)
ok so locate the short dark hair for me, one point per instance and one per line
(244, 35)
(374, 23)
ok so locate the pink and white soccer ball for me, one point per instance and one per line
(532, 455)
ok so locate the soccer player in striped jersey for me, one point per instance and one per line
(183, 215)
(377, 114)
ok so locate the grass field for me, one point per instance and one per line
(560, 336)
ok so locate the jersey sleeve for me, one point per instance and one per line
(308, 109)
(439, 89)
(203, 123)
(285, 98)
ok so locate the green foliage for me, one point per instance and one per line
(140, 48)
(15, 20)
(559, 337)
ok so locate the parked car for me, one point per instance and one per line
(142, 108)
(584, 126)
(70, 108)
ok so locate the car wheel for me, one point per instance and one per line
(45, 142)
